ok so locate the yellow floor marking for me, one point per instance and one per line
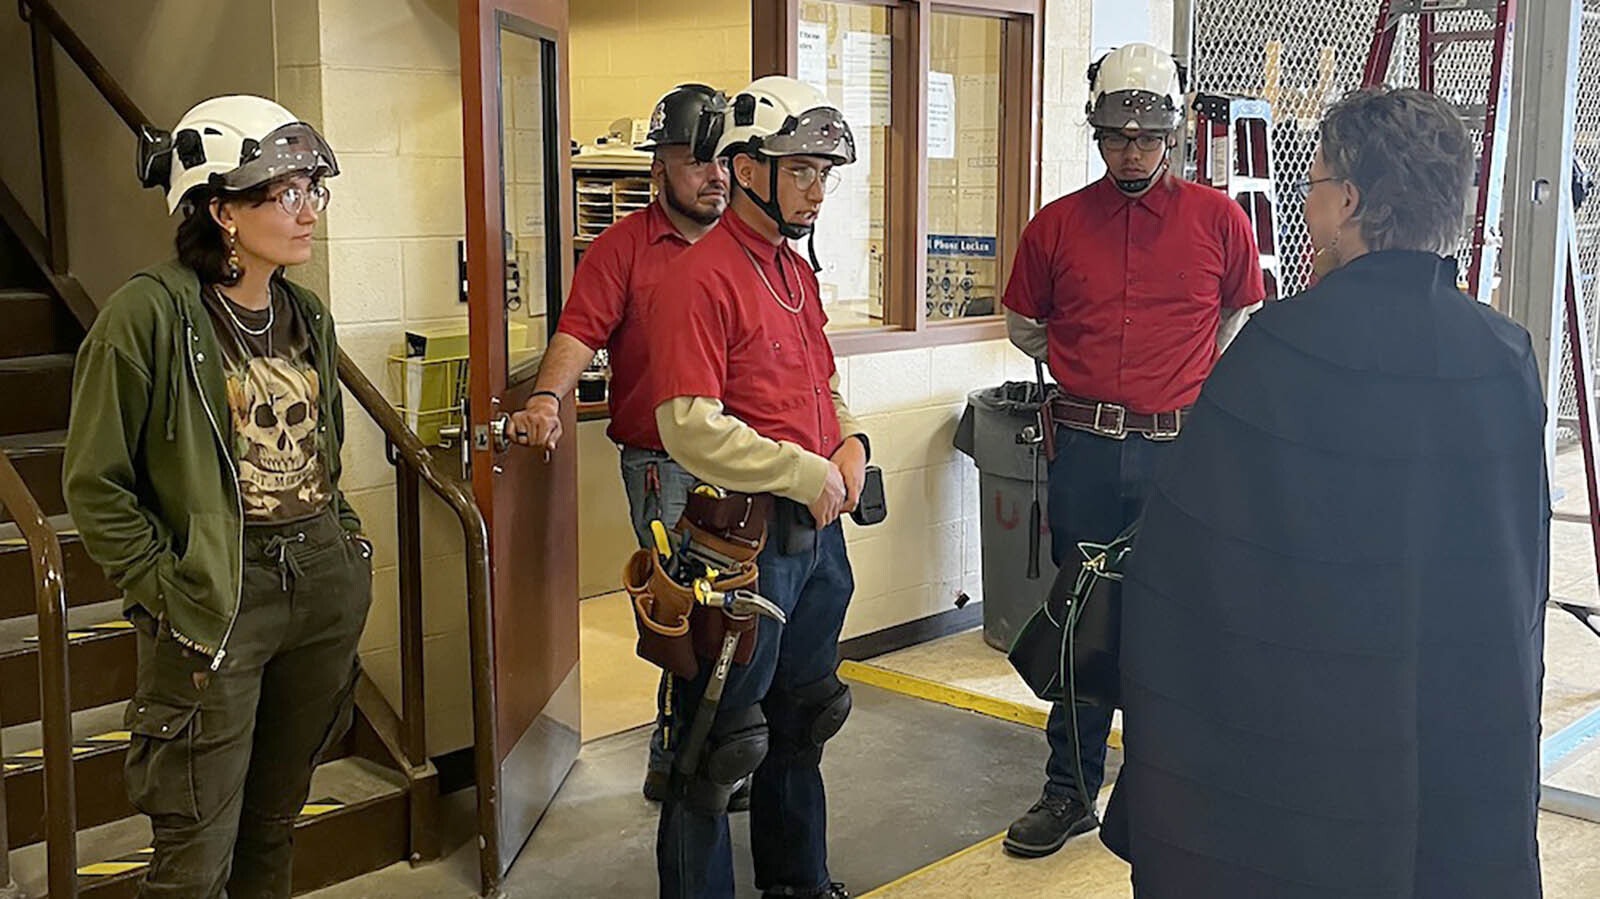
(956, 697)
(931, 866)
(39, 753)
(313, 809)
(11, 767)
(121, 624)
(107, 869)
(71, 635)
(116, 736)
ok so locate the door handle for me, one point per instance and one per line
(500, 431)
(453, 437)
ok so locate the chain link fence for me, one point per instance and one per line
(1302, 57)
(1299, 57)
(1586, 153)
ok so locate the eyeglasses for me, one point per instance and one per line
(293, 200)
(1116, 141)
(805, 176)
(1303, 188)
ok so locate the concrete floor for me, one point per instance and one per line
(921, 792)
(937, 779)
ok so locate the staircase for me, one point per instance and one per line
(360, 815)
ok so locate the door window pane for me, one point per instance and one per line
(963, 165)
(844, 50)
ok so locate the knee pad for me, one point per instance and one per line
(806, 717)
(734, 749)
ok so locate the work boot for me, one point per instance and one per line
(831, 891)
(1048, 825)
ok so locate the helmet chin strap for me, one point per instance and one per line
(774, 211)
(1140, 185)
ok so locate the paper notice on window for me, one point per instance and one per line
(864, 62)
(813, 48)
(941, 115)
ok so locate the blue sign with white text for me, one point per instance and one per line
(959, 245)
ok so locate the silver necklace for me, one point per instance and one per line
(264, 331)
(227, 306)
(793, 310)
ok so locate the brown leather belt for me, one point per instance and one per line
(1113, 421)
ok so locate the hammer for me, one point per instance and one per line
(740, 604)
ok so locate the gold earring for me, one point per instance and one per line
(234, 268)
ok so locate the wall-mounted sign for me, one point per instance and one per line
(960, 245)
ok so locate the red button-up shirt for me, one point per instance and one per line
(1132, 291)
(717, 330)
(604, 309)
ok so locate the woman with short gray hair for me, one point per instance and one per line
(1333, 623)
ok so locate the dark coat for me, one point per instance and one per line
(1333, 624)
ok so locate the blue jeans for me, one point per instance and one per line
(657, 488)
(1097, 489)
(788, 807)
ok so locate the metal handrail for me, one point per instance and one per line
(44, 548)
(45, 14)
(412, 459)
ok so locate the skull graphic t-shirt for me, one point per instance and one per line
(273, 400)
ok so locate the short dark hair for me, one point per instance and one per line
(200, 241)
(1409, 155)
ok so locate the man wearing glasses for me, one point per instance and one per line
(747, 398)
(1128, 289)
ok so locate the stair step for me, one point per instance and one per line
(102, 659)
(38, 390)
(102, 796)
(86, 582)
(16, 266)
(99, 750)
(356, 822)
(34, 324)
(37, 457)
(99, 747)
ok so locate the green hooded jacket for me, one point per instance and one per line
(149, 475)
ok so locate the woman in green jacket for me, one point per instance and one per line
(202, 471)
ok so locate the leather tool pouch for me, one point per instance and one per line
(661, 613)
(675, 632)
(734, 525)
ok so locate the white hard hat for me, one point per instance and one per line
(780, 116)
(1136, 87)
(233, 143)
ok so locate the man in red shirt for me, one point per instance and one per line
(747, 398)
(1129, 289)
(604, 309)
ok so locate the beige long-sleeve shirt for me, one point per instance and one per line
(720, 449)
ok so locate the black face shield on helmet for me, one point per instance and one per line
(680, 119)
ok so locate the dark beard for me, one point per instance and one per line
(693, 215)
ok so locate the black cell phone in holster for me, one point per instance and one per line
(871, 508)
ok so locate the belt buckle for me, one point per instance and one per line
(1118, 431)
(1157, 432)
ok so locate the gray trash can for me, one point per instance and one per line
(989, 432)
